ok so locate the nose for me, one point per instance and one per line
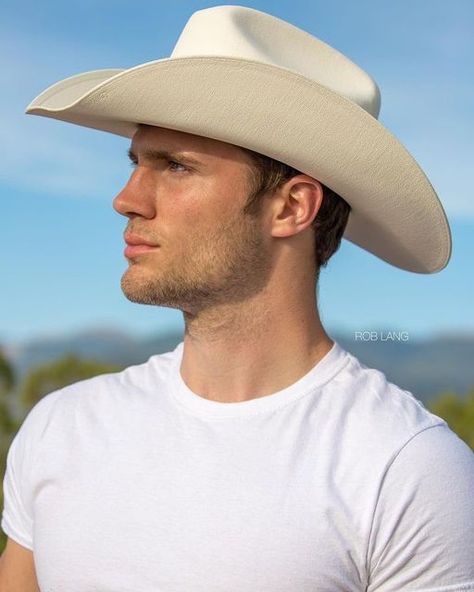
(137, 197)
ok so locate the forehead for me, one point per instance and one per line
(160, 138)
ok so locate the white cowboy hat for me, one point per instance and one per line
(247, 78)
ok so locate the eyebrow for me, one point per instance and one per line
(153, 155)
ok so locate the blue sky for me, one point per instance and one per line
(61, 242)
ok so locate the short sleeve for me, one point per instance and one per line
(422, 536)
(17, 515)
(17, 521)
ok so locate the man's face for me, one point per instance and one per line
(185, 198)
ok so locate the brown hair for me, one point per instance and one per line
(330, 221)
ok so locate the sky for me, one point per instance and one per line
(61, 242)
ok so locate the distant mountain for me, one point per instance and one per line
(104, 345)
(425, 368)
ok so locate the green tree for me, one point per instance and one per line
(58, 374)
(458, 412)
(7, 383)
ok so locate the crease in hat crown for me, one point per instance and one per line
(246, 33)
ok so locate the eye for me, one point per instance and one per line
(173, 165)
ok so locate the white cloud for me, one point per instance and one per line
(48, 156)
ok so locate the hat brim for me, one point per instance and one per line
(396, 214)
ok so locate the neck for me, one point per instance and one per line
(253, 348)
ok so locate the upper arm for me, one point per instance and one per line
(423, 524)
(17, 569)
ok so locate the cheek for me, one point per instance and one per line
(200, 206)
(182, 219)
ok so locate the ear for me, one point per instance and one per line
(296, 205)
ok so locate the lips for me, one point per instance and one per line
(136, 245)
(134, 239)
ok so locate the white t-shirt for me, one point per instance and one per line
(341, 482)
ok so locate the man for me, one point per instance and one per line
(258, 455)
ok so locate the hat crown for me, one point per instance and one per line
(246, 33)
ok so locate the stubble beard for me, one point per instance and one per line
(226, 266)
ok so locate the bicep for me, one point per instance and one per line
(17, 569)
(422, 531)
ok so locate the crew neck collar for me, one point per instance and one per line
(327, 367)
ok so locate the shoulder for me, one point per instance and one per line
(93, 397)
(377, 413)
(424, 516)
(419, 478)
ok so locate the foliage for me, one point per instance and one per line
(55, 375)
(458, 412)
(7, 375)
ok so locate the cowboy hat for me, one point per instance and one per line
(247, 78)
